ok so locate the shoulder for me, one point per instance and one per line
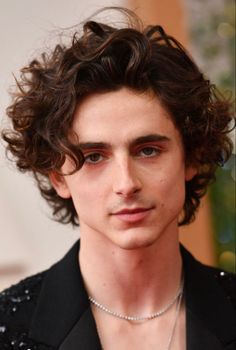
(17, 305)
(13, 299)
(226, 281)
(216, 284)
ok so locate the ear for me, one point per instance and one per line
(190, 172)
(59, 184)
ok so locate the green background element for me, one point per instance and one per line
(212, 28)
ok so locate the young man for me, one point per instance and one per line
(123, 134)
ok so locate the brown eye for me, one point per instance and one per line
(149, 152)
(93, 158)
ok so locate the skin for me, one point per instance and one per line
(130, 262)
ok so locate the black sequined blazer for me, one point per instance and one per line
(51, 310)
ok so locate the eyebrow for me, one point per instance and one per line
(149, 138)
(84, 146)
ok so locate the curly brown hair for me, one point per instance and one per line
(105, 58)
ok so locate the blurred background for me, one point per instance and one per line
(27, 233)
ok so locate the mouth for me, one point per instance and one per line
(133, 215)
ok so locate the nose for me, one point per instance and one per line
(125, 179)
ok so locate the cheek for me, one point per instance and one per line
(168, 181)
(170, 190)
(169, 197)
(86, 194)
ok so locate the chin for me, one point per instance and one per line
(136, 246)
(134, 240)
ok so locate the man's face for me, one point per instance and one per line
(131, 188)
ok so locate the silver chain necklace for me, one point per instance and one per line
(138, 318)
(175, 321)
(178, 296)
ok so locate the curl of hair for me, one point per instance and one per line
(106, 58)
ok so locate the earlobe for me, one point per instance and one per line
(59, 184)
(190, 172)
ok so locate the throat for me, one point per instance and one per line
(131, 283)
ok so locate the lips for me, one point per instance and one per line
(133, 215)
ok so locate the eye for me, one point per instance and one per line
(93, 158)
(149, 151)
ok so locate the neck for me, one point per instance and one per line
(135, 282)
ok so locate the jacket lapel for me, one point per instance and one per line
(200, 337)
(210, 316)
(83, 335)
(63, 317)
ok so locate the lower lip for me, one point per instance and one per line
(135, 217)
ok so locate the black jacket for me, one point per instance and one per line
(51, 310)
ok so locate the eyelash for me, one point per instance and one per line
(88, 157)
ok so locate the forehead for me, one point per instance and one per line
(121, 115)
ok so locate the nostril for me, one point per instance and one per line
(126, 180)
(128, 189)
